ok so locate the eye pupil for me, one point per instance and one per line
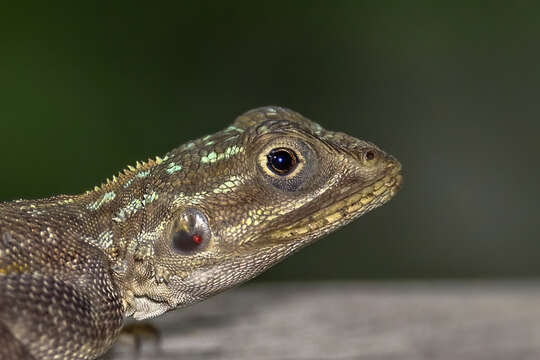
(370, 155)
(281, 161)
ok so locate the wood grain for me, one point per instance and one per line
(441, 320)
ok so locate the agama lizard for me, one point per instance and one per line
(173, 231)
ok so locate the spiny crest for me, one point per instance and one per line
(128, 173)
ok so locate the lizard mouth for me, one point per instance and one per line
(353, 203)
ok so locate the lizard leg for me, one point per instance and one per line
(142, 332)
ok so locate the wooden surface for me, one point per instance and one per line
(405, 321)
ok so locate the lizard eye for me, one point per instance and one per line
(287, 163)
(191, 233)
(282, 161)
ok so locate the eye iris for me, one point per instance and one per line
(281, 161)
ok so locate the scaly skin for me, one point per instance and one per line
(171, 232)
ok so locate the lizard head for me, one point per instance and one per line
(233, 204)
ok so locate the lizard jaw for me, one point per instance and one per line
(341, 212)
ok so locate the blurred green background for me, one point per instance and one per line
(450, 89)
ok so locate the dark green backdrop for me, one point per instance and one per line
(451, 90)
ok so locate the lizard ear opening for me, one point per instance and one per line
(191, 233)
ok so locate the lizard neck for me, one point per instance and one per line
(119, 211)
(114, 207)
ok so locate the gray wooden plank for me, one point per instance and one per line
(380, 321)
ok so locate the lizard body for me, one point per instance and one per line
(173, 231)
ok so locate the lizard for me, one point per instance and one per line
(174, 230)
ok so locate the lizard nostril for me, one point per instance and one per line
(370, 155)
